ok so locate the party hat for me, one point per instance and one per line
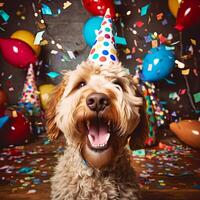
(30, 95)
(104, 51)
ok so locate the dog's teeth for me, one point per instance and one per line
(90, 138)
(98, 145)
(109, 123)
(88, 125)
(107, 137)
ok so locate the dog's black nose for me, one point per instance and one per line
(97, 101)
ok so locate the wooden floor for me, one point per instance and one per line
(164, 172)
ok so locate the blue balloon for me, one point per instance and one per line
(158, 63)
(91, 25)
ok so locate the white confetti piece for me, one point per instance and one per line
(54, 52)
(71, 54)
(31, 191)
(38, 37)
(66, 4)
(180, 64)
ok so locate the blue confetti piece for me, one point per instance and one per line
(53, 74)
(147, 38)
(3, 120)
(120, 40)
(37, 181)
(140, 152)
(170, 82)
(168, 48)
(58, 11)
(25, 170)
(128, 57)
(118, 2)
(4, 15)
(46, 10)
(163, 102)
(144, 9)
(164, 22)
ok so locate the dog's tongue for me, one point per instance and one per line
(98, 133)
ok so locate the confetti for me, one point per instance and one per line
(154, 43)
(4, 15)
(164, 22)
(170, 81)
(38, 37)
(3, 120)
(117, 2)
(139, 24)
(159, 16)
(54, 52)
(140, 152)
(174, 96)
(185, 72)
(46, 10)
(66, 4)
(120, 40)
(144, 9)
(182, 91)
(193, 42)
(53, 74)
(71, 54)
(196, 97)
(180, 64)
(31, 191)
(128, 13)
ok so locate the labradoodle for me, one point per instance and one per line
(99, 110)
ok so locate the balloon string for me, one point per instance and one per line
(184, 76)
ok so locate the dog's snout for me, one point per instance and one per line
(97, 101)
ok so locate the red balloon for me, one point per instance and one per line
(99, 7)
(2, 111)
(17, 52)
(188, 15)
(3, 98)
(16, 131)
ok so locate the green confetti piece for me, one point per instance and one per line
(140, 152)
(196, 97)
(4, 15)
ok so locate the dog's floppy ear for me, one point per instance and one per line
(52, 129)
(139, 135)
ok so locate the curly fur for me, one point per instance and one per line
(74, 177)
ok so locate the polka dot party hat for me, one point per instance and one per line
(30, 94)
(104, 51)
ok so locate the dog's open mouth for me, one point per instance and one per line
(99, 133)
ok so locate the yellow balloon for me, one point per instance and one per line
(27, 37)
(45, 92)
(174, 6)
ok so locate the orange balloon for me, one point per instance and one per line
(188, 131)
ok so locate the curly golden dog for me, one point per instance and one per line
(99, 110)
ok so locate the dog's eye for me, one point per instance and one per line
(81, 84)
(118, 84)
